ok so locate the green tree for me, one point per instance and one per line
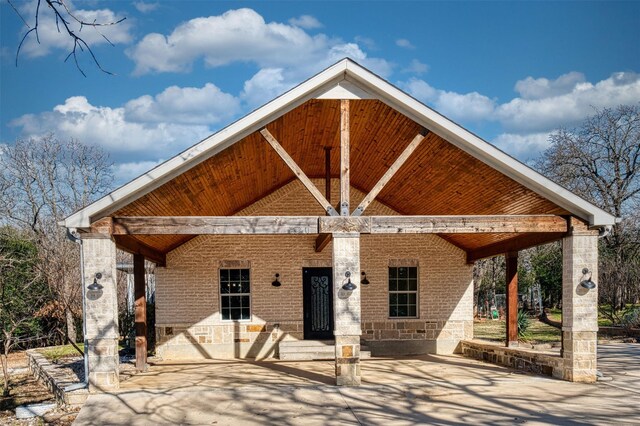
(23, 293)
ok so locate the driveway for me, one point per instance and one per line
(440, 390)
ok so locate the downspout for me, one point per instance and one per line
(604, 231)
(84, 384)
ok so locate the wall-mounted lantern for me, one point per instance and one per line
(276, 282)
(349, 286)
(94, 290)
(364, 280)
(586, 280)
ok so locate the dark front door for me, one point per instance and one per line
(318, 303)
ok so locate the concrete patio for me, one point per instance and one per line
(420, 390)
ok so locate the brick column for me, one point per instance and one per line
(101, 339)
(579, 305)
(346, 308)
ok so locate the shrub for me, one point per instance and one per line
(523, 325)
(631, 318)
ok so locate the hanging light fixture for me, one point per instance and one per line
(95, 285)
(586, 281)
(276, 282)
(349, 286)
(364, 280)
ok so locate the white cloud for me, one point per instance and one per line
(270, 82)
(416, 67)
(367, 42)
(144, 7)
(109, 128)
(243, 36)
(51, 38)
(265, 85)
(186, 105)
(125, 172)
(470, 106)
(237, 35)
(306, 21)
(567, 103)
(404, 43)
(538, 88)
(523, 147)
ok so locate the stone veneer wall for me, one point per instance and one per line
(545, 363)
(188, 323)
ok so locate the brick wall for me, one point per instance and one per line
(187, 290)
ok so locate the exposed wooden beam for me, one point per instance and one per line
(140, 293)
(327, 173)
(368, 199)
(511, 260)
(344, 224)
(344, 158)
(326, 205)
(197, 225)
(322, 241)
(132, 245)
(201, 225)
(467, 224)
(513, 244)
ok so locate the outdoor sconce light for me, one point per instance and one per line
(276, 282)
(586, 282)
(94, 290)
(95, 285)
(364, 280)
(349, 286)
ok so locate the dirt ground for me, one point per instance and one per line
(26, 390)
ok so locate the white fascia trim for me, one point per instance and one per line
(478, 148)
(207, 147)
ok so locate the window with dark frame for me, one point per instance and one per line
(403, 292)
(235, 294)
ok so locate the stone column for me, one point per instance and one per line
(579, 304)
(101, 316)
(346, 308)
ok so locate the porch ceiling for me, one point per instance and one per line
(438, 178)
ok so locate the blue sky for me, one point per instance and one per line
(509, 71)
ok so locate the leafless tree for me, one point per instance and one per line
(67, 22)
(44, 181)
(600, 160)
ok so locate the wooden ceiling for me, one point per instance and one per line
(438, 178)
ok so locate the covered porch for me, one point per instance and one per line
(428, 389)
(348, 175)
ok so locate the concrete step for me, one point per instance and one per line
(308, 350)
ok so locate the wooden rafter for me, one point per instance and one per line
(131, 245)
(513, 244)
(345, 148)
(326, 205)
(368, 199)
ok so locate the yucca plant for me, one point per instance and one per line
(523, 325)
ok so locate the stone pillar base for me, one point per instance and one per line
(348, 361)
(104, 365)
(580, 356)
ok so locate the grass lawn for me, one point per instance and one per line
(54, 353)
(495, 330)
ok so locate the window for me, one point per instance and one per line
(235, 294)
(403, 292)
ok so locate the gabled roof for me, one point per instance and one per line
(347, 80)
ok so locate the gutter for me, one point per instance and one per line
(84, 384)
